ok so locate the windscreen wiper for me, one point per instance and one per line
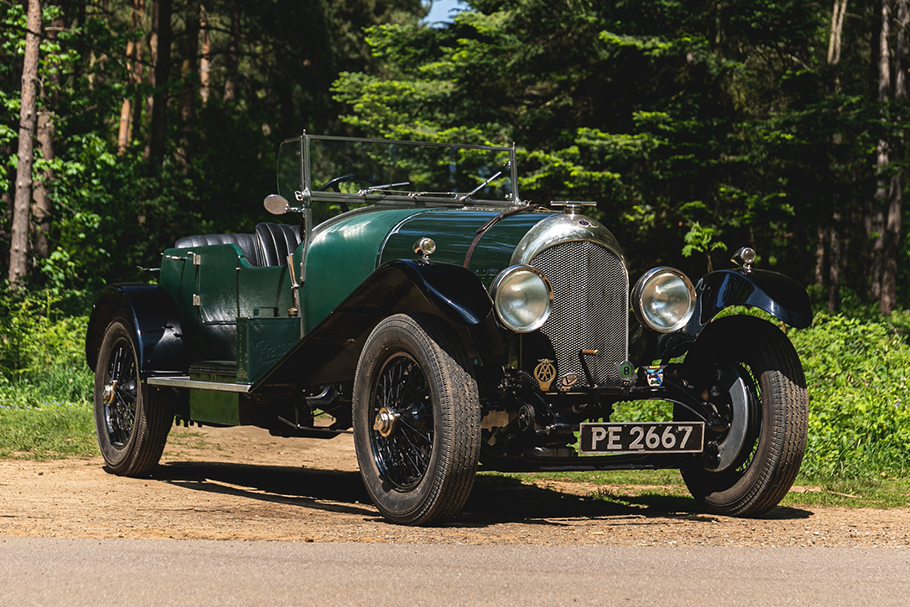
(478, 188)
(375, 188)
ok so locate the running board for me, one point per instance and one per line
(184, 381)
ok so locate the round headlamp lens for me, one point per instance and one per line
(664, 300)
(523, 298)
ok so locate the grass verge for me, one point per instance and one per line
(48, 432)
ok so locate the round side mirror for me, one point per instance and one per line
(276, 205)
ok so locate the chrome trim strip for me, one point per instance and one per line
(184, 381)
(564, 227)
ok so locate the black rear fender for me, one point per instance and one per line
(155, 322)
(329, 353)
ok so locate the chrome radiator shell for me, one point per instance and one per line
(586, 267)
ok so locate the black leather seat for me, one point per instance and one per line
(276, 242)
(248, 243)
(269, 246)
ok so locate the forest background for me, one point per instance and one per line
(698, 126)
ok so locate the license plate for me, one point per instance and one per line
(655, 437)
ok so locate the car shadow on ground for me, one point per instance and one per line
(498, 499)
(328, 490)
(495, 499)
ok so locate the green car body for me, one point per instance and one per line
(450, 325)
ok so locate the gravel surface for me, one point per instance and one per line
(242, 484)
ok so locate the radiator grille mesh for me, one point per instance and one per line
(590, 309)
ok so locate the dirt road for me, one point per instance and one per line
(242, 484)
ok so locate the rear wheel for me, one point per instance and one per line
(749, 371)
(132, 419)
(416, 420)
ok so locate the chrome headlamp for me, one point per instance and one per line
(663, 300)
(522, 297)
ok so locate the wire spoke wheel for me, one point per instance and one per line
(132, 420)
(416, 420)
(403, 446)
(120, 394)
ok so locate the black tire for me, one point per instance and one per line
(419, 464)
(132, 419)
(753, 357)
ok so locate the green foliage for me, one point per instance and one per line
(642, 411)
(701, 240)
(42, 356)
(859, 396)
(45, 385)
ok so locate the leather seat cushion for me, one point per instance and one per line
(276, 242)
(248, 243)
(269, 246)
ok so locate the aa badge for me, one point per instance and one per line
(545, 373)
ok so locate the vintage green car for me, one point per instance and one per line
(416, 301)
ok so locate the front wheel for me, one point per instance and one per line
(749, 371)
(416, 420)
(132, 419)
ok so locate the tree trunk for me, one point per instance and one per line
(126, 112)
(820, 257)
(130, 113)
(153, 59)
(233, 57)
(138, 76)
(139, 72)
(18, 257)
(827, 254)
(205, 62)
(892, 224)
(837, 28)
(189, 72)
(161, 29)
(882, 162)
(190, 68)
(42, 201)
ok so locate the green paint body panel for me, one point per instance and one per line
(261, 342)
(215, 407)
(341, 256)
(453, 230)
(228, 287)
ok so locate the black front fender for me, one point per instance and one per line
(778, 295)
(155, 322)
(330, 351)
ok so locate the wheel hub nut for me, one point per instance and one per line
(109, 393)
(385, 422)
